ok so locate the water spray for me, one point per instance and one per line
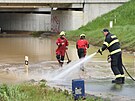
(66, 70)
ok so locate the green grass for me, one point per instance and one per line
(37, 33)
(37, 92)
(124, 27)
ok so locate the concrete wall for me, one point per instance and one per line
(25, 22)
(66, 20)
(92, 11)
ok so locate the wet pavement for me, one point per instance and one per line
(42, 61)
(121, 92)
(101, 85)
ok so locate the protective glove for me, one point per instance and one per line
(62, 43)
(59, 44)
(99, 51)
(109, 58)
(66, 48)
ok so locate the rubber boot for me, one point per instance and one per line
(61, 63)
(123, 80)
(82, 67)
(117, 80)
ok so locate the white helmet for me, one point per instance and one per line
(62, 33)
(82, 35)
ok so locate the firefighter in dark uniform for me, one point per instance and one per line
(112, 44)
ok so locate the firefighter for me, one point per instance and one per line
(112, 44)
(62, 44)
(82, 44)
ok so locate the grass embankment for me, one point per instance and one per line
(36, 34)
(124, 27)
(36, 92)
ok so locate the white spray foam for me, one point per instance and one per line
(65, 71)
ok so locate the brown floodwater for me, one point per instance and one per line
(41, 54)
(41, 50)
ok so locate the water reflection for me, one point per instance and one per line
(14, 49)
(117, 87)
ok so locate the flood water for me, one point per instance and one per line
(41, 53)
(14, 49)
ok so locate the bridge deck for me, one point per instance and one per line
(60, 1)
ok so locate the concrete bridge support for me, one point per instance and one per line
(66, 20)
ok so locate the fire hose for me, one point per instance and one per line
(109, 60)
(128, 73)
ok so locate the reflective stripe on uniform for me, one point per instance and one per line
(114, 41)
(115, 51)
(113, 36)
(101, 49)
(118, 76)
(105, 43)
(123, 75)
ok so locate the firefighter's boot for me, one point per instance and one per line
(61, 63)
(123, 80)
(117, 81)
(82, 67)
